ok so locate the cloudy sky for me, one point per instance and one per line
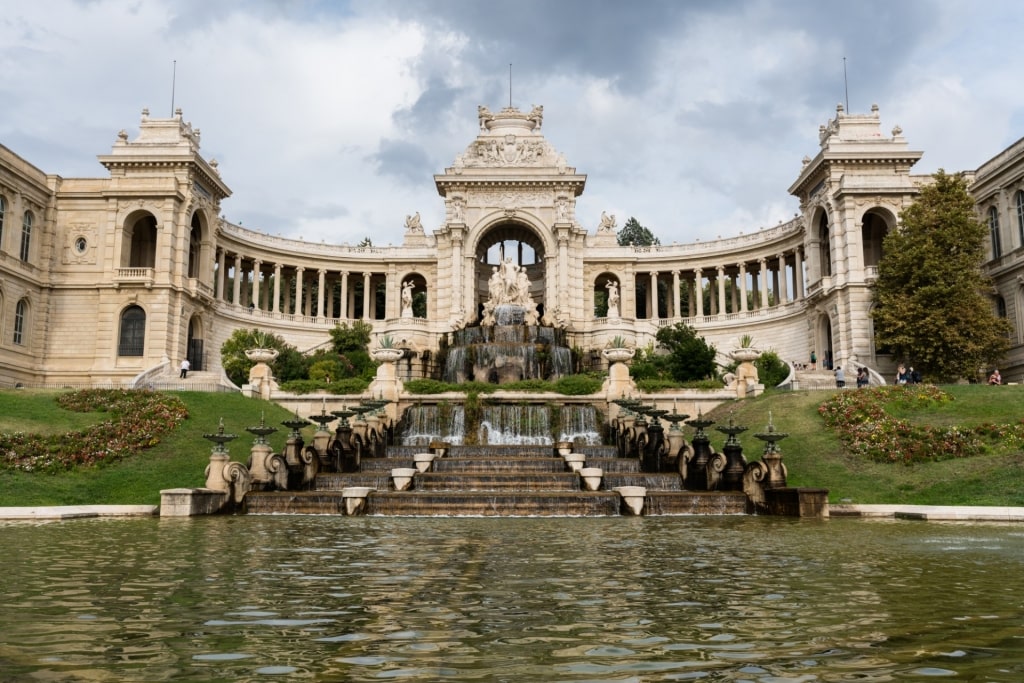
(329, 118)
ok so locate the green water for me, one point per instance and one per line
(614, 599)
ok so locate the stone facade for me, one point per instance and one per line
(104, 279)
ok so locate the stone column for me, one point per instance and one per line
(221, 274)
(367, 313)
(236, 286)
(798, 272)
(321, 281)
(563, 272)
(255, 300)
(344, 294)
(698, 278)
(276, 308)
(654, 295)
(783, 293)
(299, 274)
(691, 304)
(456, 290)
(721, 289)
(675, 294)
(743, 286)
(330, 299)
(763, 263)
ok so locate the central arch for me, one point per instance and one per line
(515, 240)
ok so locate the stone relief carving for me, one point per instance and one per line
(607, 223)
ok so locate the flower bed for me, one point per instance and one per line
(867, 430)
(137, 421)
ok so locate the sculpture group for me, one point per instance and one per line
(509, 287)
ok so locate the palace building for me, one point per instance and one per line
(114, 280)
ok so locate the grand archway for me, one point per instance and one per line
(506, 241)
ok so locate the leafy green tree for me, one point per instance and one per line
(689, 356)
(356, 337)
(237, 366)
(932, 303)
(634, 234)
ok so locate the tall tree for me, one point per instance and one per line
(636, 235)
(932, 301)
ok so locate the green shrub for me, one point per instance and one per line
(578, 385)
(771, 370)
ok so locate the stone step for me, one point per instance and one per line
(650, 480)
(498, 503)
(471, 464)
(432, 481)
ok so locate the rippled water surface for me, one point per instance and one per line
(623, 599)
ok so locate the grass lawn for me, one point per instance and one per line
(179, 460)
(812, 453)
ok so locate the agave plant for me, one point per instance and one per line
(386, 342)
(617, 342)
(746, 342)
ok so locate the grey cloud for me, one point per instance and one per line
(403, 160)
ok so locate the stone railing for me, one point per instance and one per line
(134, 276)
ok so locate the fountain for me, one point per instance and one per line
(268, 469)
(509, 344)
(222, 474)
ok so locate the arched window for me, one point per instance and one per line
(3, 210)
(1020, 216)
(826, 246)
(132, 340)
(993, 228)
(26, 235)
(20, 321)
(1001, 307)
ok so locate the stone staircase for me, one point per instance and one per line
(498, 481)
(196, 381)
(822, 379)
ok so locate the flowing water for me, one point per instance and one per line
(505, 424)
(306, 598)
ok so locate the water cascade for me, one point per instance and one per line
(523, 424)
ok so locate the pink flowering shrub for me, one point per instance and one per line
(137, 420)
(867, 430)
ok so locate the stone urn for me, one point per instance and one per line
(423, 461)
(261, 355)
(386, 355)
(618, 355)
(355, 498)
(745, 354)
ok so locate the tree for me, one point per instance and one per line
(932, 302)
(689, 356)
(634, 234)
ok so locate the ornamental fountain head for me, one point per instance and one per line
(295, 424)
(656, 414)
(732, 430)
(261, 431)
(344, 414)
(674, 418)
(770, 437)
(700, 423)
(220, 438)
(324, 417)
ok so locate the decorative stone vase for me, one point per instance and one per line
(261, 355)
(423, 461)
(402, 477)
(618, 355)
(591, 477)
(745, 354)
(355, 498)
(633, 497)
(575, 461)
(386, 355)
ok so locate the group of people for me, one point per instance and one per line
(863, 379)
(905, 375)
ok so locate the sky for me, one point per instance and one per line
(329, 119)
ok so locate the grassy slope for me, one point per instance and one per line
(178, 461)
(812, 454)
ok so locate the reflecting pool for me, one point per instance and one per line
(435, 599)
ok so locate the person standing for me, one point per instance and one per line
(840, 377)
(814, 361)
(185, 365)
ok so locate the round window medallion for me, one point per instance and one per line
(80, 245)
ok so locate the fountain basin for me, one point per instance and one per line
(633, 497)
(402, 477)
(592, 477)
